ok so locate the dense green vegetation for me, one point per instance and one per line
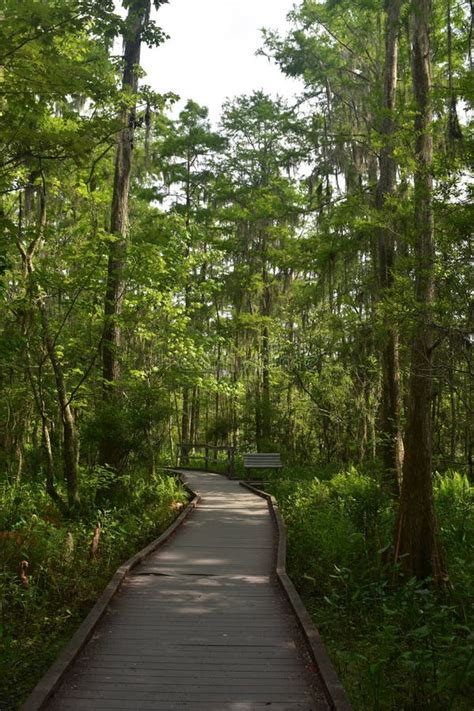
(395, 646)
(296, 278)
(64, 576)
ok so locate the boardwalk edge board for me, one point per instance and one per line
(335, 692)
(49, 683)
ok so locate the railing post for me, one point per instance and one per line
(184, 454)
(230, 456)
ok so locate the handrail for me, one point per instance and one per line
(183, 449)
(192, 445)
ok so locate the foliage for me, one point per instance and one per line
(64, 582)
(395, 646)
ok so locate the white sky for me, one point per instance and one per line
(211, 51)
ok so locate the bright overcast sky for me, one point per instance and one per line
(211, 51)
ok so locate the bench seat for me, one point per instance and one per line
(262, 460)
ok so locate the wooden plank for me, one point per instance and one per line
(200, 653)
(107, 705)
(149, 684)
(117, 673)
(262, 458)
(187, 672)
(231, 694)
(221, 662)
(213, 655)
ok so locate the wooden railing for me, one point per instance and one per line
(185, 449)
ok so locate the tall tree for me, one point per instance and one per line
(184, 155)
(264, 204)
(417, 546)
(391, 436)
(136, 23)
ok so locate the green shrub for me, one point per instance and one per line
(396, 645)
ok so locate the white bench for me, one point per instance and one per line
(262, 460)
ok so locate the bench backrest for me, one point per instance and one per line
(262, 460)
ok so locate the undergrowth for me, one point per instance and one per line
(396, 645)
(64, 582)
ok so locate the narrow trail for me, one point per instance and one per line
(201, 624)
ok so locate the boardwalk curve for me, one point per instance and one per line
(201, 623)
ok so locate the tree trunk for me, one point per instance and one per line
(49, 462)
(217, 400)
(258, 411)
(69, 428)
(186, 416)
(194, 429)
(67, 417)
(45, 436)
(417, 546)
(265, 402)
(138, 14)
(391, 436)
(236, 377)
(185, 439)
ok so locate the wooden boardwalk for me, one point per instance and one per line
(201, 624)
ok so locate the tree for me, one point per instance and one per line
(417, 545)
(37, 299)
(47, 128)
(391, 435)
(185, 157)
(263, 202)
(136, 25)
